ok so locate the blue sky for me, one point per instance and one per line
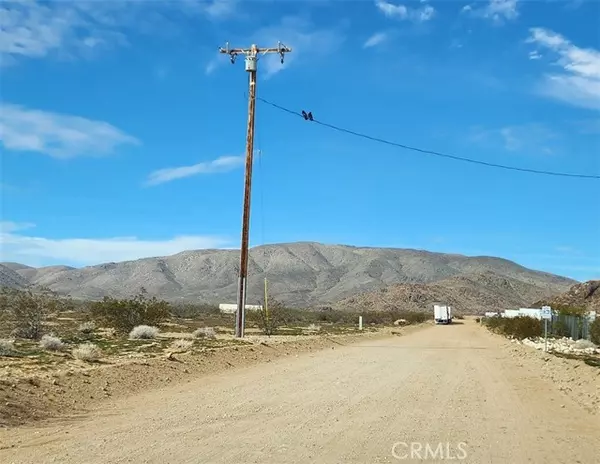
(123, 128)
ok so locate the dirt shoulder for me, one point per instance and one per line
(573, 377)
(71, 389)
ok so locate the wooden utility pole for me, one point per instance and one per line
(252, 54)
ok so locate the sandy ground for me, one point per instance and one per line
(441, 392)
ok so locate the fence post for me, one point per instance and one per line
(360, 326)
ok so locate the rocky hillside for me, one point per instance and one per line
(473, 293)
(585, 295)
(300, 274)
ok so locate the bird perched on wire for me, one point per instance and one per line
(307, 116)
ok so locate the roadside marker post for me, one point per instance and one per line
(546, 315)
(360, 323)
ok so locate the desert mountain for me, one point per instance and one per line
(585, 295)
(300, 274)
(473, 293)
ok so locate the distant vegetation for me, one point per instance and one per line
(595, 331)
(515, 327)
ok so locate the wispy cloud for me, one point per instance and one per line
(57, 135)
(80, 29)
(33, 250)
(7, 227)
(304, 39)
(497, 11)
(405, 13)
(578, 80)
(221, 164)
(375, 40)
(533, 138)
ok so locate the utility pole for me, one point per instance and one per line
(252, 54)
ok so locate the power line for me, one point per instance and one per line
(428, 152)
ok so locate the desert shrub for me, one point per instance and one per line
(314, 328)
(516, 327)
(143, 332)
(51, 343)
(87, 327)
(182, 344)
(595, 331)
(205, 332)
(271, 317)
(28, 311)
(190, 310)
(478, 320)
(569, 310)
(7, 348)
(126, 314)
(87, 352)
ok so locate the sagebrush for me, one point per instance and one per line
(205, 332)
(87, 327)
(87, 352)
(143, 332)
(51, 343)
(7, 348)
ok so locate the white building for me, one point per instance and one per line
(232, 308)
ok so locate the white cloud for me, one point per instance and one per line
(578, 81)
(535, 55)
(35, 251)
(75, 29)
(391, 10)
(57, 135)
(375, 40)
(221, 164)
(531, 139)
(497, 11)
(301, 36)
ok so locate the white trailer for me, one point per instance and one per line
(442, 314)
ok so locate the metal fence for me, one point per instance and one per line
(575, 327)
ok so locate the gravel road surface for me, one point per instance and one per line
(444, 392)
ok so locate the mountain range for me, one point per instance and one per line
(305, 274)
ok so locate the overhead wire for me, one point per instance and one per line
(429, 152)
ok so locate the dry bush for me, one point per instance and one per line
(87, 352)
(205, 332)
(182, 344)
(51, 343)
(28, 311)
(143, 332)
(516, 327)
(126, 314)
(7, 348)
(314, 328)
(271, 317)
(87, 327)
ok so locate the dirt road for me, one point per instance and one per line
(443, 392)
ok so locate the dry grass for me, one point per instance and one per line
(182, 344)
(51, 343)
(87, 352)
(205, 332)
(143, 332)
(7, 348)
(87, 327)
